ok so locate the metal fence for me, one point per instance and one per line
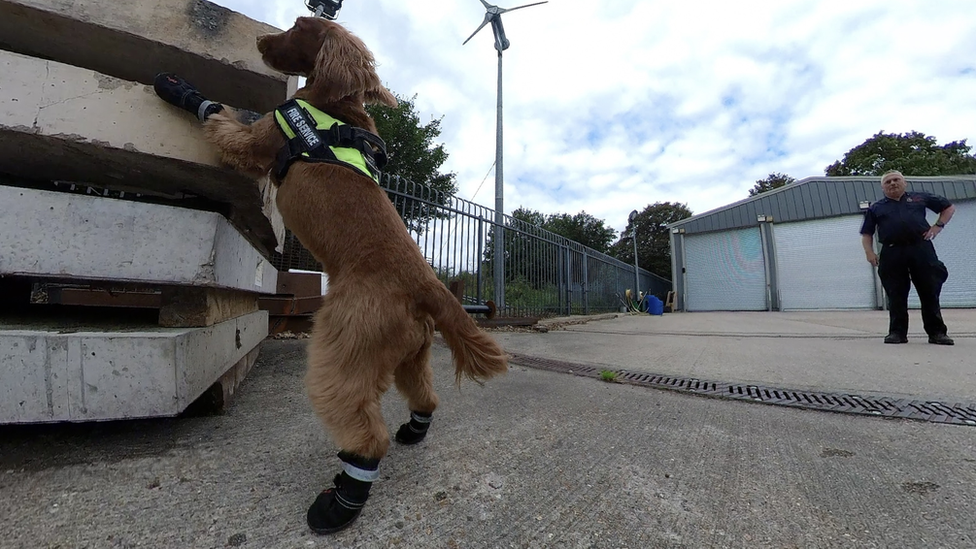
(545, 273)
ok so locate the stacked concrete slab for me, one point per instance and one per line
(131, 261)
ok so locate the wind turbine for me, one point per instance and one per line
(493, 15)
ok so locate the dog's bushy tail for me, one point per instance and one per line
(476, 354)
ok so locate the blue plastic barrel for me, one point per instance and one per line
(654, 305)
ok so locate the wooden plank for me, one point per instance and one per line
(284, 305)
(95, 297)
(300, 284)
(187, 307)
(457, 289)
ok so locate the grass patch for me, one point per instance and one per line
(608, 376)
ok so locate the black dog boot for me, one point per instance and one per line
(414, 431)
(176, 91)
(337, 507)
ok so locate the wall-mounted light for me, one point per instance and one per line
(762, 218)
(864, 204)
(677, 231)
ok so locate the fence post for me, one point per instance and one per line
(586, 283)
(569, 281)
(481, 252)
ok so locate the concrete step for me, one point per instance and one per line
(60, 122)
(210, 45)
(56, 371)
(81, 237)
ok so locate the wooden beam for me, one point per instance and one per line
(188, 307)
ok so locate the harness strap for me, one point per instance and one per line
(308, 141)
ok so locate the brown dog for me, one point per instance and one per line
(377, 320)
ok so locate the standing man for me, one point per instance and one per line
(907, 255)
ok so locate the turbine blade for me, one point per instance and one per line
(520, 7)
(487, 5)
(483, 23)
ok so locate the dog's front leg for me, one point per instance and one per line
(249, 149)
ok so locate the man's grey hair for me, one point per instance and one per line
(889, 174)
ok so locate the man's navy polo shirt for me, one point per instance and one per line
(902, 221)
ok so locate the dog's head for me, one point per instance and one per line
(336, 63)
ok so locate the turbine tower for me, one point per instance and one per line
(493, 15)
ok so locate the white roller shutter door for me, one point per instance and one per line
(956, 247)
(821, 265)
(725, 271)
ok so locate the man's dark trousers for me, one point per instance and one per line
(901, 265)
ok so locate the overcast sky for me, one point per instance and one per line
(614, 105)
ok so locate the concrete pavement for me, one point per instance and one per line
(532, 459)
(830, 351)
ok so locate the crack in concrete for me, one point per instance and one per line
(47, 79)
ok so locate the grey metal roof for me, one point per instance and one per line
(818, 197)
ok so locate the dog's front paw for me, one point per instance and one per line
(231, 139)
(218, 125)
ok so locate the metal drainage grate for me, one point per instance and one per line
(922, 410)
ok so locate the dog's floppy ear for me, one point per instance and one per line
(345, 67)
(382, 96)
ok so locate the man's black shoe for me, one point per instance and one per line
(941, 339)
(896, 338)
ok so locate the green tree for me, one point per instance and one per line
(533, 254)
(416, 160)
(583, 228)
(531, 259)
(772, 181)
(653, 237)
(912, 153)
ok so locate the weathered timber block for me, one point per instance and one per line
(188, 307)
(300, 284)
(222, 393)
(286, 305)
(212, 46)
(75, 236)
(93, 374)
(457, 289)
(59, 122)
(95, 297)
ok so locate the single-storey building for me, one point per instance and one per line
(798, 247)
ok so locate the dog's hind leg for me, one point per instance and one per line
(351, 361)
(415, 381)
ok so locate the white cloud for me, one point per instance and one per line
(614, 105)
